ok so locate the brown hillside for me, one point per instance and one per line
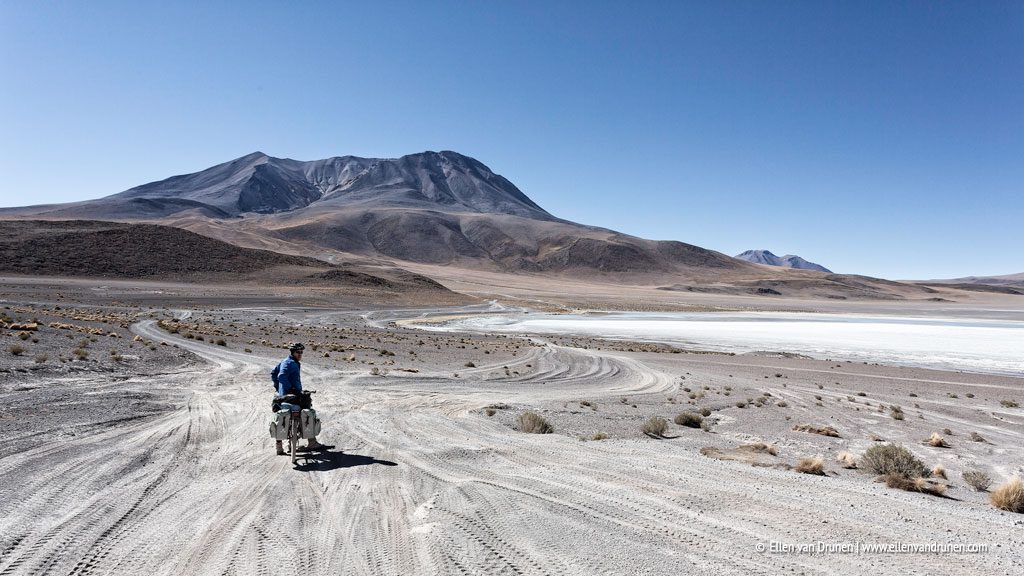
(86, 248)
(105, 249)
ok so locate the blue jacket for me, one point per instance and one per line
(286, 376)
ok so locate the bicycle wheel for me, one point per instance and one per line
(293, 439)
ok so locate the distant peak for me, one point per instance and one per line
(787, 261)
(755, 252)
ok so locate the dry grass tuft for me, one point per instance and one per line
(761, 447)
(813, 465)
(17, 349)
(823, 430)
(847, 460)
(939, 471)
(937, 441)
(896, 412)
(533, 423)
(978, 480)
(1009, 495)
(654, 427)
(599, 436)
(759, 454)
(689, 419)
(892, 459)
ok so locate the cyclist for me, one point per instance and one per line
(287, 381)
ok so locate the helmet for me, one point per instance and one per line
(296, 347)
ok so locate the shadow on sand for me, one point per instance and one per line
(330, 460)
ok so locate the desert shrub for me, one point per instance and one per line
(947, 431)
(977, 437)
(490, 411)
(599, 436)
(914, 484)
(892, 459)
(24, 336)
(17, 349)
(896, 412)
(1009, 404)
(654, 426)
(221, 342)
(977, 479)
(688, 419)
(939, 471)
(741, 404)
(822, 430)
(937, 441)
(377, 371)
(705, 412)
(969, 395)
(813, 465)
(586, 403)
(533, 423)
(1009, 495)
(41, 358)
(846, 460)
(81, 353)
(469, 365)
(782, 404)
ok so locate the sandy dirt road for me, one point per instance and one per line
(418, 484)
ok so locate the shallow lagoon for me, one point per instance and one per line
(975, 345)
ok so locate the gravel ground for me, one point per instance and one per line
(160, 463)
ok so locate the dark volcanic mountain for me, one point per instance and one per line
(787, 261)
(433, 207)
(260, 184)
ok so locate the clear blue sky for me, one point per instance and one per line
(882, 138)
